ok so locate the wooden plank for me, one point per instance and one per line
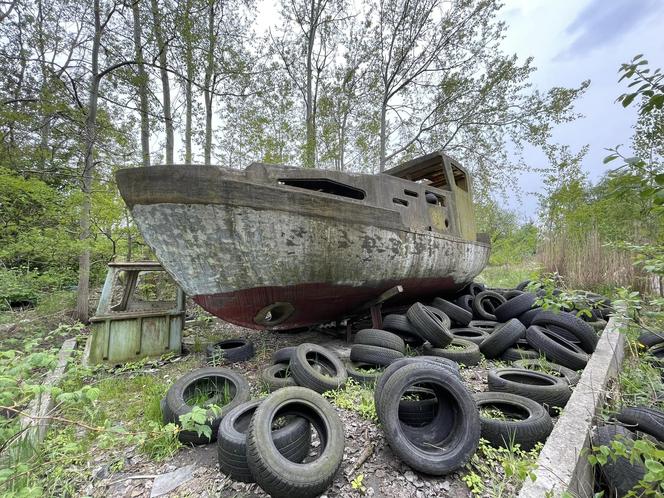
(35, 423)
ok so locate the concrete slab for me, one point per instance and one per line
(563, 465)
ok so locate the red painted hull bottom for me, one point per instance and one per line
(315, 303)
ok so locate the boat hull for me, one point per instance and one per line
(238, 260)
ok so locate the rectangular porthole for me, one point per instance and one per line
(401, 202)
(410, 193)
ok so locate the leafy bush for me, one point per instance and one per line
(19, 285)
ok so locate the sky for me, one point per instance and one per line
(572, 41)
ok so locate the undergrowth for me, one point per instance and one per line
(355, 397)
(500, 472)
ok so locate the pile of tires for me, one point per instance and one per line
(621, 474)
(250, 449)
(435, 434)
(307, 365)
(372, 351)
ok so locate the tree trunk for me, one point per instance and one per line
(310, 146)
(88, 169)
(141, 84)
(383, 136)
(209, 83)
(188, 84)
(162, 46)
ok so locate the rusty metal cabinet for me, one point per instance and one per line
(134, 327)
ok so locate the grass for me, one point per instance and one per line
(355, 397)
(500, 472)
(508, 276)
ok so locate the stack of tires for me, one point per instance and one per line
(307, 365)
(267, 441)
(621, 474)
(372, 351)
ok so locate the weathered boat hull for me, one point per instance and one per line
(237, 260)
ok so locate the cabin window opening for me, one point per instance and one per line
(435, 199)
(325, 186)
(400, 202)
(447, 223)
(411, 193)
(460, 178)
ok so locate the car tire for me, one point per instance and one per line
(292, 440)
(306, 375)
(470, 334)
(552, 392)
(644, 419)
(620, 475)
(555, 348)
(456, 422)
(277, 376)
(545, 366)
(381, 338)
(503, 337)
(533, 426)
(181, 390)
(457, 314)
(276, 474)
(583, 332)
(429, 326)
(515, 307)
(358, 372)
(485, 304)
(469, 355)
(229, 351)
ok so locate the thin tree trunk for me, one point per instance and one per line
(383, 136)
(188, 84)
(141, 84)
(45, 130)
(310, 146)
(209, 79)
(162, 46)
(88, 169)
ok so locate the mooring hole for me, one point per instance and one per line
(274, 314)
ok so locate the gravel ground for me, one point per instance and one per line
(384, 475)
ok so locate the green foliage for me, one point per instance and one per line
(499, 472)
(511, 242)
(358, 484)
(355, 397)
(642, 450)
(554, 295)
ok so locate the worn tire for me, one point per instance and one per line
(400, 325)
(307, 376)
(456, 313)
(470, 354)
(180, 391)
(644, 419)
(474, 288)
(277, 376)
(485, 304)
(487, 325)
(375, 355)
(555, 348)
(382, 338)
(522, 285)
(620, 475)
(503, 337)
(455, 430)
(470, 334)
(534, 426)
(283, 355)
(528, 317)
(511, 293)
(545, 366)
(429, 326)
(356, 372)
(274, 473)
(584, 333)
(519, 353)
(465, 302)
(230, 351)
(515, 307)
(452, 366)
(292, 441)
(650, 339)
(550, 391)
(418, 412)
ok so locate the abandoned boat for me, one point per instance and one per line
(278, 247)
